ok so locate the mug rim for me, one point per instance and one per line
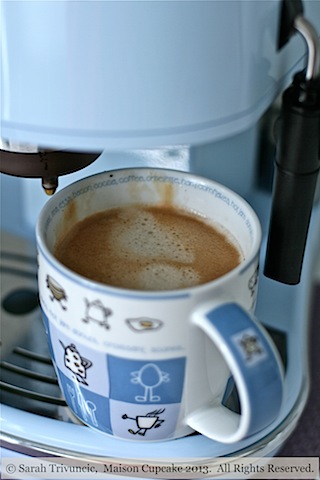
(136, 293)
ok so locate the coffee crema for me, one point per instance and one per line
(144, 247)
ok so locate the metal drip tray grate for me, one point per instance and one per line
(28, 379)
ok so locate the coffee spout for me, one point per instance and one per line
(22, 161)
(50, 185)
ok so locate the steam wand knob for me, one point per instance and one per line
(296, 170)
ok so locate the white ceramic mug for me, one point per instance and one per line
(156, 365)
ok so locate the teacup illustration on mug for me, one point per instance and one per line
(145, 422)
(159, 335)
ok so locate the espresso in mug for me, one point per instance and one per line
(146, 247)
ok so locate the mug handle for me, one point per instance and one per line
(257, 371)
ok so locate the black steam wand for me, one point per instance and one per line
(296, 167)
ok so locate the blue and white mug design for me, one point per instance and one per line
(153, 366)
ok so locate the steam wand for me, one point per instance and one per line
(296, 167)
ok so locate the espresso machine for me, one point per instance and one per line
(227, 90)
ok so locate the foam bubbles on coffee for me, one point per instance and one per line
(160, 276)
(148, 248)
(140, 234)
